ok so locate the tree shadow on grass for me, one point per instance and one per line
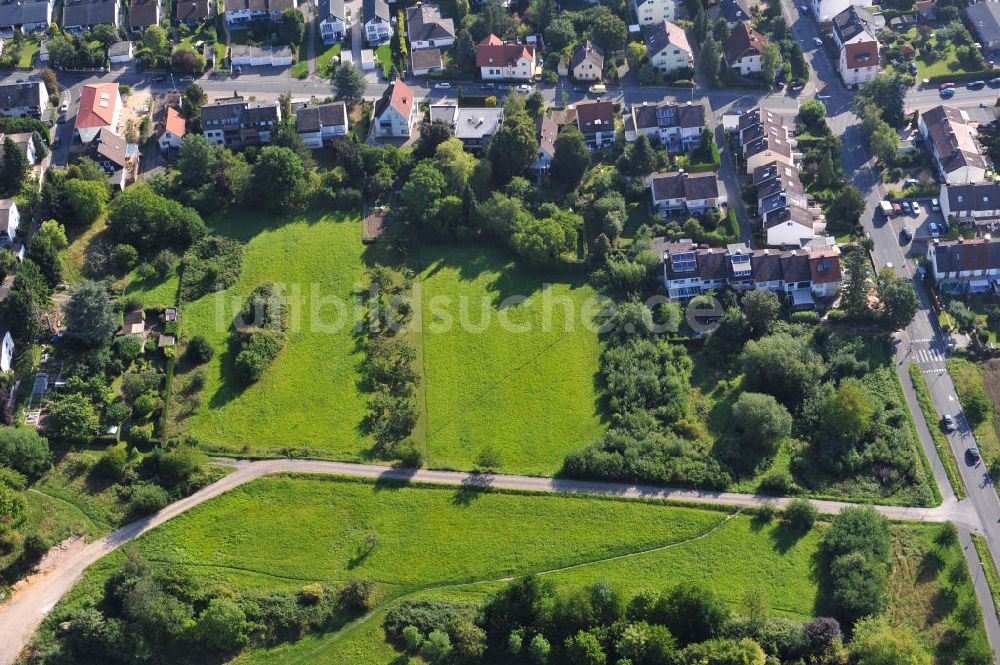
(930, 567)
(784, 538)
(231, 387)
(472, 488)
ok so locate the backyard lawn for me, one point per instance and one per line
(28, 52)
(325, 58)
(532, 395)
(384, 55)
(309, 399)
(458, 543)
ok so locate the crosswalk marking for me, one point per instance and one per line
(928, 356)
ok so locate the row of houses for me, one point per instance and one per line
(235, 122)
(965, 266)
(80, 15)
(690, 270)
(241, 13)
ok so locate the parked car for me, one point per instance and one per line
(935, 205)
(976, 85)
(489, 86)
(442, 85)
(817, 41)
(795, 84)
(973, 453)
(905, 235)
(995, 82)
(948, 422)
(945, 86)
(64, 107)
(896, 208)
(598, 89)
(186, 79)
(914, 208)
(947, 93)
(934, 230)
(524, 87)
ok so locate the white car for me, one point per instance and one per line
(524, 87)
(803, 9)
(934, 229)
(817, 41)
(443, 85)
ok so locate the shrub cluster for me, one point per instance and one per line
(212, 264)
(259, 331)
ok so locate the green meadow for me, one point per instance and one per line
(520, 376)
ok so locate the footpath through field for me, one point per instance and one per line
(24, 613)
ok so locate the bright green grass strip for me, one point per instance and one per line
(532, 395)
(968, 376)
(28, 52)
(309, 396)
(155, 290)
(989, 569)
(940, 442)
(324, 59)
(384, 55)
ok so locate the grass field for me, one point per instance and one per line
(74, 257)
(310, 396)
(531, 395)
(324, 58)
(459, 543)
(944, 450)
(968, 376)
(301, 68)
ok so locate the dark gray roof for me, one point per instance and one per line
(256, 114)
(791, 213)
(426, 58)
(15, 12)
(225, 112)
(713, 263)
(314, 118)
(586, 50)
(689, 186)
(425, 23)
(985, 18)
(120, 48)
(193, 10)
(142, 13)
(334, 8)
(734, 10)
(981, 196)
(765, 265)
(795, 266)
(851, 22)
(110, 146)
(89, 12)
(666, 116)
(13, 95)
(373, 8)
(958, 255)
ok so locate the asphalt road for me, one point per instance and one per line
(20, 618)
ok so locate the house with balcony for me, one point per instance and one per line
(376, 21)
(235, 122)
(677, 127)
(426, 28)
(690, 193)
(82, 15)
(596, 121)
(474, 127)
(318, 124)
(192, 12)
(395, 113)
(965, 266)
(668, 49)
(651, 12)
(28, 15)
(825, 10)
(973, 202)
(332, 21)
(23, 100)
(952, 138)
(854, 32)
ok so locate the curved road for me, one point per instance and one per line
(21, 617)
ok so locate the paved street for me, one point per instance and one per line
(21, 616)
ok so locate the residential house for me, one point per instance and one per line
(854, 34)
(667, 48)
(171, 130)
(693, 193)
(332, 21)
(81, 15)
(548, 130)
(677, 127)
(144, 13)
(587, 62)
(985, 20)
(395, 113)
(25, 142)
(191, 12)
(763, 138)
(378, 27)
(261, 56)
(652, 12)
(969, 266)
(275, 8)
(825, 10)
(133, 323)
(108, 150)
(10, 220)
(235, 122)
(792, 226)
(6, 352)
(499, 60)
(240, 13)
(425, 28)
(28, 15)
(926, 10)
(425, 61)
(473, 126)
(743, 49)
(321, 123)
(23, 100)
(100, 108)
(690, 270)
(952, 138)
(733, 12)
(120, 53)
(978, 202)
(596, 121)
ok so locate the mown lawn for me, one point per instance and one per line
(325, 56)
(309, 398)
(384, 55)
(529, 389)
(459, 543)
(28, 52)
(153, 291)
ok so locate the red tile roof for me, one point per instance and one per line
(399, 96)
(97, 105)
(174, 122)
(743, 41)
(824, 267)
(862, 54)
(493, 52)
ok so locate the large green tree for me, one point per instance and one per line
(513, 148)
(280, 182)
(90, 317)
(349, 82)
(571, 159)
(24, 450)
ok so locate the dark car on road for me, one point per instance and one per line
(995, 82)
(905, 235)
(948, 422)
(947, 93)
(973, 453)
(976, 85)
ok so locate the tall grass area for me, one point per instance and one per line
(968, 378)
(309, 399)
(944, 450)
(531, 395)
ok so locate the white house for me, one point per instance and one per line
(170, 133)
(7, 352)
(332, 23)
(23, 100)
(953, 144)
(677, 127)
(825, 10)
(792, 226)
(498, 60)
(10, 219)
(587, 62)
(691, 192)
(426, 28)
(29, 15)
(395, 113)
(651, 12)
(378, 27)
(100, 108)
(971, 266)
(667, 48)
(978, 202)
(854, 35)
(743, 49)
(321, 123)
